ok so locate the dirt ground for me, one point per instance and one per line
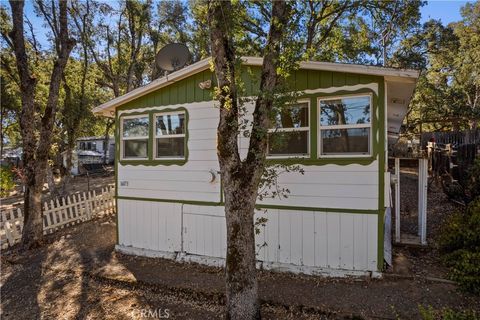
(78, 275)
(413, 260)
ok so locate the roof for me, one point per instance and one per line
(397, 75)
(89, 153)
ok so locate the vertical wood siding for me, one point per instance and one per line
(188, 91)
(303, 238)
(150, 225)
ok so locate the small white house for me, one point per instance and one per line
(97, 145)
(90, 150)
(170, 197)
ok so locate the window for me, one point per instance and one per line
(170, 135)
(289, 132)
(135, 137)
(345, 127)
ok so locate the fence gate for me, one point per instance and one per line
(421, 237)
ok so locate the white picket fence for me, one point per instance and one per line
(58, 214)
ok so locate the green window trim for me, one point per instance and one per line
(315, 159)
(124, 139)
(351, 126)
(274, 157)
(168, 136)
(151, 160)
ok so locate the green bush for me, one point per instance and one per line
(429, 313)
(7, 182)
(460, 244)
(473, 182)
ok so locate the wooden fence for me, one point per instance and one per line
(455, 138)
(59, 213)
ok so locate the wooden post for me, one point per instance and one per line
(87, 205)
(397, 200)
(54, 213)
(9, 233)
(422, 199)
(46, 216)
(95, 204)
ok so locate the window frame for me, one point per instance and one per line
(307, 128)
(320, 127)
(181, 135)
(122, 138)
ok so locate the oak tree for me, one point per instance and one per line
(36, 143)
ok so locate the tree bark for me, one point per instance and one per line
(106, 139)
(68, 169)
(35, 152)
(51, 182)
(241, 178)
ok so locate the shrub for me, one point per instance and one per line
(473, 182)
(7, 182)
(428, 313)
(460, 244)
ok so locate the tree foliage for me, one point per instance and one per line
(448, 91)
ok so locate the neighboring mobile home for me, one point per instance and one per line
(169, 192)
(97, 144)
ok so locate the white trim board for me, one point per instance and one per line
(400, 75)
(261, 265)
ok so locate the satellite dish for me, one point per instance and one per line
(172, 57)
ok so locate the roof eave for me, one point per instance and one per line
(105, 108)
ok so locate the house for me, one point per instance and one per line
(169, 193)
(97, 145)
(90, 150)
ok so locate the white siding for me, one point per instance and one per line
(150, 225)
(351, 186)
(303, 238)
(204, 231)
(174, 182)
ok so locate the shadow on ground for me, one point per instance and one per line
(78, 275)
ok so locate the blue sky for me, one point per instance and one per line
(445, 10)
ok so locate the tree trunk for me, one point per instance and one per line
(241, 279)
(32, 214)
(35, 152)
(240, 179)
(51, 183)
(68, 168)
(32, 196)
(106, 139)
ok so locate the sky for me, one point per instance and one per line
(445, 10)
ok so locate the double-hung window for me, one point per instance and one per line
(289, 133)
(345, 125)
(134, 137)
(170, 135)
